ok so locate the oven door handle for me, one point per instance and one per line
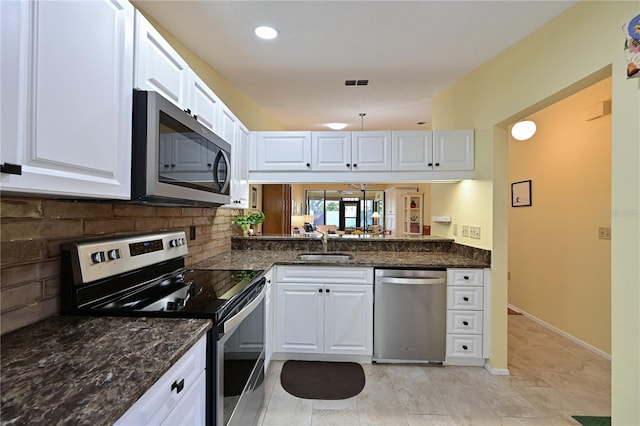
(235, 320)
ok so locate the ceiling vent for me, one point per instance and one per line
(356, 82)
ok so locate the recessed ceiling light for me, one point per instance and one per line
(265, 32)
(336, 126)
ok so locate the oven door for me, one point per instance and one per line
(240, 366)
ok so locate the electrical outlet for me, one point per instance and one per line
(455, 229)
(604, 233)
(474, 232)
(465, 230)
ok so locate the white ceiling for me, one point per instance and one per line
(408, 50)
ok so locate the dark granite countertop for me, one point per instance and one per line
(85, 370)
(264, 259)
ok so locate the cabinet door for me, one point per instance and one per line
(331, 151)
(412, 150)
(240, 171)
(228, 125)
(299, 315)
(371, 151)
(453, 150)
(283, 151)
(71, 121)
(158, 66)
(191, 410)
(348, 319)
(204, 104)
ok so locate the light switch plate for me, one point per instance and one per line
(474, 232)
(465, 230)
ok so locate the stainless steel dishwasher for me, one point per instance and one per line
(409, 315)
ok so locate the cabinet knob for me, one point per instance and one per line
(430, 164)
(465, 347)
(465, 322)
(308, 164)
(328, 290)
(466, 277)
(319, 290)
(466, 299)
(437, 164)
(188, 111)
(355, 165)
(348, 164)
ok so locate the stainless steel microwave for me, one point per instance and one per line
(176, 161)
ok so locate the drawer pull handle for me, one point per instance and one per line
(465, 322)
(319, 290)
(465, 347)
(178, 386)
(466, 277)
(328, 290)
(466, 299)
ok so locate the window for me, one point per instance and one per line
(348, 209)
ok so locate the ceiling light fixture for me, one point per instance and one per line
(336, 126)
(523, 130)
(266, 32)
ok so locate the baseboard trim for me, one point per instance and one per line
(497, 371)
(563, 333)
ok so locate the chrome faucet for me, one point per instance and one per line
(324, 241)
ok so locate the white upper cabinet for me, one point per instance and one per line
(240, 169)
(453, 150)
(350, 151)
(331, 151)
(204, 104)
(66, 98)
(158, 66)
(440, 150)
(371, 151)
(228, 126)
(368, 156)
(412, 150)
(281, 151)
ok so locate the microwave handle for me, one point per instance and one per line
(216, 164)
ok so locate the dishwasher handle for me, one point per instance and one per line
(411, 281)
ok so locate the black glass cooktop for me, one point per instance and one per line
(190, 293)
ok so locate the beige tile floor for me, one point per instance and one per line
(551, 379)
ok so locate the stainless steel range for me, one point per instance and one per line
(145, 275)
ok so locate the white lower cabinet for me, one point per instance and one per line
(465, 317)
(324, 310)
(178, 397)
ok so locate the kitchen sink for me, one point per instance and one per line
(325, 256)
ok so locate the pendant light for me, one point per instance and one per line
(523, 130)
(362, 114)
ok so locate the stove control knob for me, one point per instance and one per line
(114, 254)
(176, 242)
(98, 257)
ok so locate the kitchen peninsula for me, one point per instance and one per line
(262, 252)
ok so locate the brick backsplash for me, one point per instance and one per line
(32, 229)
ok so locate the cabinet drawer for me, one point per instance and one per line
(464, 322)
(467, 277)
(464, 346)
(156, 404)
(324, 275)
(465, 298)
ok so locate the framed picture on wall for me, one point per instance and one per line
(254, 197)
(521, 194)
